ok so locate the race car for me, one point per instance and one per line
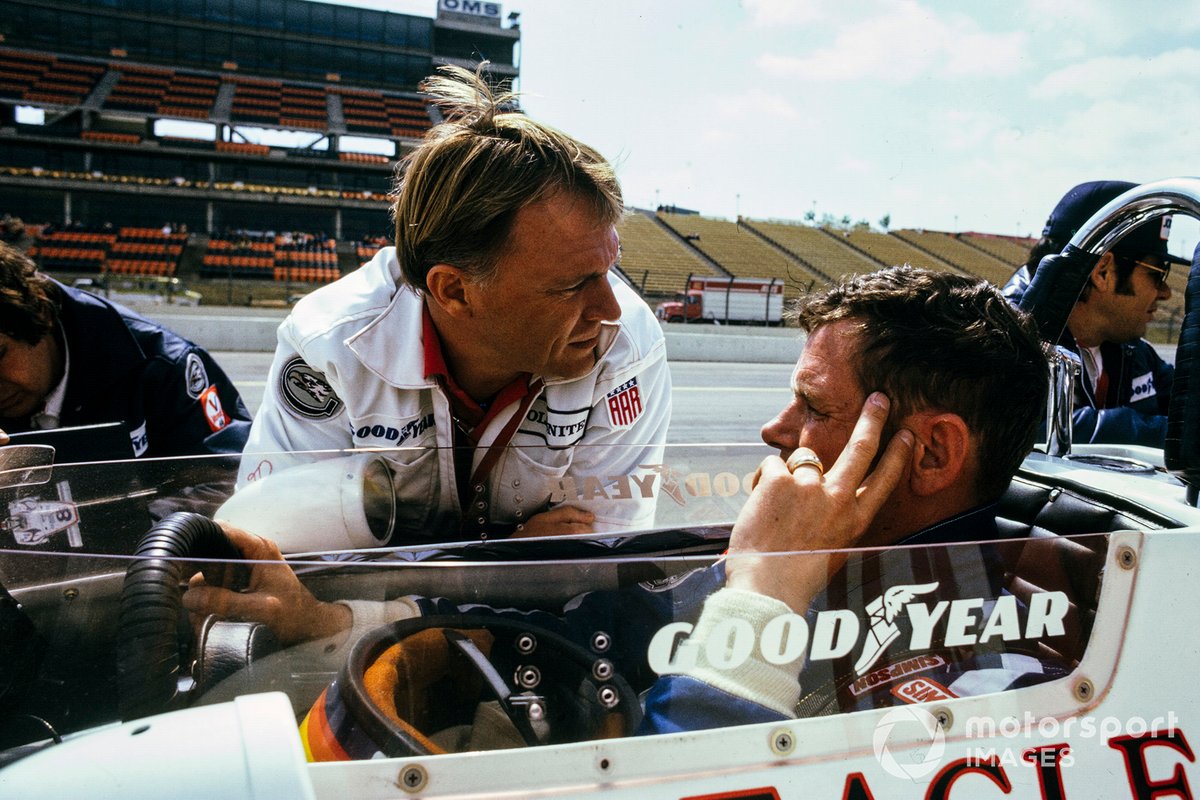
(526, 672)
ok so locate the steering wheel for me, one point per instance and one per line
(149, 649)
(425, 685)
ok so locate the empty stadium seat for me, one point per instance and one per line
(295, 256)
(44, 79)
(816, 247)
(741, 252)
(953, 251)
(655, 261)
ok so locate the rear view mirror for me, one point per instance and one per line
(25, 465)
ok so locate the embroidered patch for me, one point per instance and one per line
(195, 376)
(213, 412)
(922, 690)
(558, 429)
(141, 442)
(894, 672)
(379, 435)
(306, 391)
(1143, 387)
(624, 404)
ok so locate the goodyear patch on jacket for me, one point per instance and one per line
(1143, 387)
(393, 435)
(306, 392)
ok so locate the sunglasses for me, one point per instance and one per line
(1163, 271)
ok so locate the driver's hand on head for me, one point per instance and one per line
(273, 595)
(807, 510)
(557, 522)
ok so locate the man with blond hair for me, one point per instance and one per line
(492, 345)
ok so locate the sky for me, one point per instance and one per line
(941, 115)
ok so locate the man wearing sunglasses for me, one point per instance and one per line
(1123, 393)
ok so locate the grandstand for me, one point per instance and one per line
(655, 261)
(886, 249)
(267, 116)
(268, 129)
(815, 247)
(1009, 250)
(292, 256)
(741, 252)
(952, 251)
(130, 251)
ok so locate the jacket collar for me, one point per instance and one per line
(102, 348)
(974, 525)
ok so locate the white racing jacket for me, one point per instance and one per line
(349, 372)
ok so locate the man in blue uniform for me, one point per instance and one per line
(68, 358)
(1123, 394)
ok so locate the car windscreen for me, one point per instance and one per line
(519, 642)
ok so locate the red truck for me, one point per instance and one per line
(727, 301)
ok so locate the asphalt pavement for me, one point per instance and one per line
(710, 402)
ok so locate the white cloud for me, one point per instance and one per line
(780, 13)
(1118, 76)
(1110, 23)
(902, 42)
(967, 131)
(751, 106)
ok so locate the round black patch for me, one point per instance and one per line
(307, 392)
(195, 375)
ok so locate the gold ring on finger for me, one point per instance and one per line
(797, 460)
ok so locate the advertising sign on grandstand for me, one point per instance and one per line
(474, 7)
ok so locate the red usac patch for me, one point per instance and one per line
(624, 404)
(213, 412)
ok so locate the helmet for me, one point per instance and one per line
(452, 683)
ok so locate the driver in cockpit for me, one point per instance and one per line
(916, 399)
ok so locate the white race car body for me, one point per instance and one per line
(1118, 724)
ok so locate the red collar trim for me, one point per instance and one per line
(464, 407)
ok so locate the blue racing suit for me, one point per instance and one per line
(170, 394)
(1135, 408)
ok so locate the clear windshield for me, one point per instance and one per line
(516, 642)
